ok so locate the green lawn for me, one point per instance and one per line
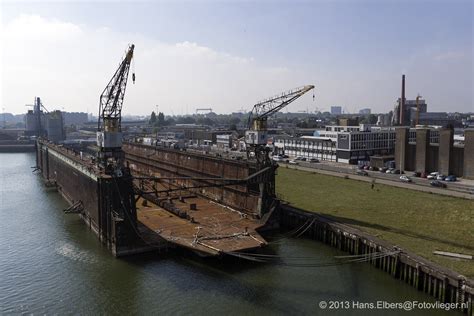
(416, 221)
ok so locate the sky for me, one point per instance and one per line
(228, 55)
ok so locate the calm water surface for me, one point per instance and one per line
(50, 263)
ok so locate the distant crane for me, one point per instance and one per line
(256, 135)
(109, 127)
(418, 97)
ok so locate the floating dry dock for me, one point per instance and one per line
(207, 218)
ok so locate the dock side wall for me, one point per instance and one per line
(104, 199)
(149, 160)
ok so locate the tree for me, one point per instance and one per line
(161, 119)
(153, 118)
(234, 121)
(169, 121)
(185, 120)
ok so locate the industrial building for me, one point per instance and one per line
(384, 119)
(412, 109)
(353, 147)
(44, 123)
(429, 150)
(75, 118)
(227, 141)
(346, 144)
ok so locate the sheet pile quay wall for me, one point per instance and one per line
(445, 285)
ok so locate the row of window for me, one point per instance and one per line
(373, 136)
(304, 143)
(434, 136)
(306, 150)
(377, 144)
(308, 154)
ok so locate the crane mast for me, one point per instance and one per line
(109, 129)
(256, 135)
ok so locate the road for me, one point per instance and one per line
(419, 184)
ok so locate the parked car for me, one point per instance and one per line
(451, 178)
(276, 158)
(389, 170)
(366, 167)
(396, 171)
(313, 160)
(405, 179)
(440, 177)
(433, 175)
(361, 167)
(416, 174)
(438, 184)
(423, 175)
(362, 173)
(293, 162)
(373, 169)
(383, 170)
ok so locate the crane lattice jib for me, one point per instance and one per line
(267, 107)
(111, 99)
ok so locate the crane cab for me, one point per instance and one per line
(256, 137)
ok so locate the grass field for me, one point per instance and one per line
(417, 221)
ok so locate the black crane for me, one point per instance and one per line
(256, 135)
(109, 129)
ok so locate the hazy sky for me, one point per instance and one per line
(229, 55)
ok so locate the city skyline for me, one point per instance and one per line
(228, 56)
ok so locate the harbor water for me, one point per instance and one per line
(51, 263)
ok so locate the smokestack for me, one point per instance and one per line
(402, 103)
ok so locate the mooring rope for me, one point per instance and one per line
(295, 231)
(310, 262)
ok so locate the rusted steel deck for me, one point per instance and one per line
(212, 229)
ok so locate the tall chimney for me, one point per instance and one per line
(402, 103)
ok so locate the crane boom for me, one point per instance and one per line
(111, 99)
(262, 110)
(257, 122)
